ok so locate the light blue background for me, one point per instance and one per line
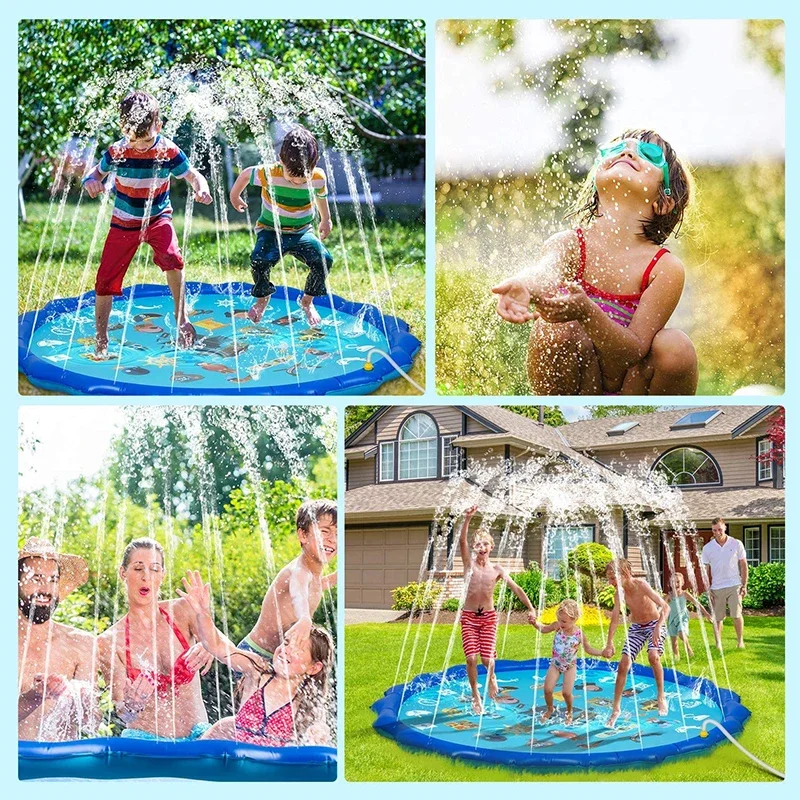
(430, 11)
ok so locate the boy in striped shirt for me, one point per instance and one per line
(143, 163)
(478, 615)
(290, 191)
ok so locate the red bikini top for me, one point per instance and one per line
(180, 675)
(252, 719)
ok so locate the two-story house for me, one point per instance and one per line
(398, 465)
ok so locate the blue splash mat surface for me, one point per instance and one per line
(232, 355)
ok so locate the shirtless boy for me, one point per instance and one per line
(50, 654)
(478, 617)
(647, 611)
(294, 595)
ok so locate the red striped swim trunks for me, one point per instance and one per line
(479, 633)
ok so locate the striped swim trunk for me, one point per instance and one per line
(479, 633)
(640, 634)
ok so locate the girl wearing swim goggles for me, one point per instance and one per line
(649, 151)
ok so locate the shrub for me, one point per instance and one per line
(766, 587)
(530, 582)
(419, 596)
(451, 604)
(590, 558)
(605, 596)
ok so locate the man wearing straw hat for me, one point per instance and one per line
(50, 654)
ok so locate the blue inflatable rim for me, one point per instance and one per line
(388, 723)
(207, 760)
(402, 347)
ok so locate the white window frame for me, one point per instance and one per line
(391, 445)
(400, 442)
(770, 531)
(708, 458)
(765, 468)
(454, 451)
(552, 565)
(755, 560)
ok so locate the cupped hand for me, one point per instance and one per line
(513, 304)
(572, 306)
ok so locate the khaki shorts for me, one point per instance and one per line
(730, 597)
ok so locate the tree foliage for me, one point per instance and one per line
(552, 414)
(600, 412)
(356, 416)
(377, 67)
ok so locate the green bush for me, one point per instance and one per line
(415, 595)
(590, 558)
(605, 596)
(766, 587)
(530, 582)
(451, 604)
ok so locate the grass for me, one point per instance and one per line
(757, 674)
(402, 239)
(732, 245)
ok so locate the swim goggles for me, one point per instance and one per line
(647, 150)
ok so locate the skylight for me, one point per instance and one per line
(696, 419)
(622, 427)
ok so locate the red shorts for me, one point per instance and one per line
(479, 633)
(121, 247)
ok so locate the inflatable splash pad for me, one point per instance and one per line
(281, 355)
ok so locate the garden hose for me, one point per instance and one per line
(369, 367)
(767, 767)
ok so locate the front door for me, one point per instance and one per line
(680, 559)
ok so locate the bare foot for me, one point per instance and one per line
(663, 707)
(547, 714)
(740, 645)
(690, 651)
(312, 317)
(100, 350)
(568, 718)
(494, 689)
(676, 654)
(187, 335)
(256, 311)
(477, 706)
(612, 720)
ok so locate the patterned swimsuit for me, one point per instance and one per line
(565, 650)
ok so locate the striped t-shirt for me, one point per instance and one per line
(140, 175)
(294, 205)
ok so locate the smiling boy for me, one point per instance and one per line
(142, 163)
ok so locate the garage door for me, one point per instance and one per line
(379, 560)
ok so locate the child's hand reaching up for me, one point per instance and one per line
(514, 302)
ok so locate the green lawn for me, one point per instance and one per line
(372, 651)
(402, 240)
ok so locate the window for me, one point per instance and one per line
(777, 543)
(559, 542)
(764, 467)
(752, 545)
(451, 457)
(419, 447)
(387, 461)
(688, 466)
(623, 427)
(696, 419)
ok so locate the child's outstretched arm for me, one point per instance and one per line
(518, 591)
(532, 283)
(542, 628)
(588, 648)
(619, 348)
(463, 543)
(299, 594)
(238, 201)
(200, 186)
(699, 605)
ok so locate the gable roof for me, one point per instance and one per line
(733, 421)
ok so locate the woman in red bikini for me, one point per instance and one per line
(603, 294)
(152, 658)
(288, 705)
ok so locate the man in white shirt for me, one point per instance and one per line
(726, 579)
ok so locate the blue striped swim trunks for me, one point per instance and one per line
(640, 634)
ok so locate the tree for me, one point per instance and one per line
(377, 68)
(356, 416)
(599, 412)
(776, 433)
(552, 414)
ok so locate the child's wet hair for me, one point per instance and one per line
(570, 608)
(299, 152)
(620, 566)
(483, 533)
(138, 113)
(657, 229)
(311, 511)
(677, 578)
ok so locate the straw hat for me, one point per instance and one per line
(72, 570)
